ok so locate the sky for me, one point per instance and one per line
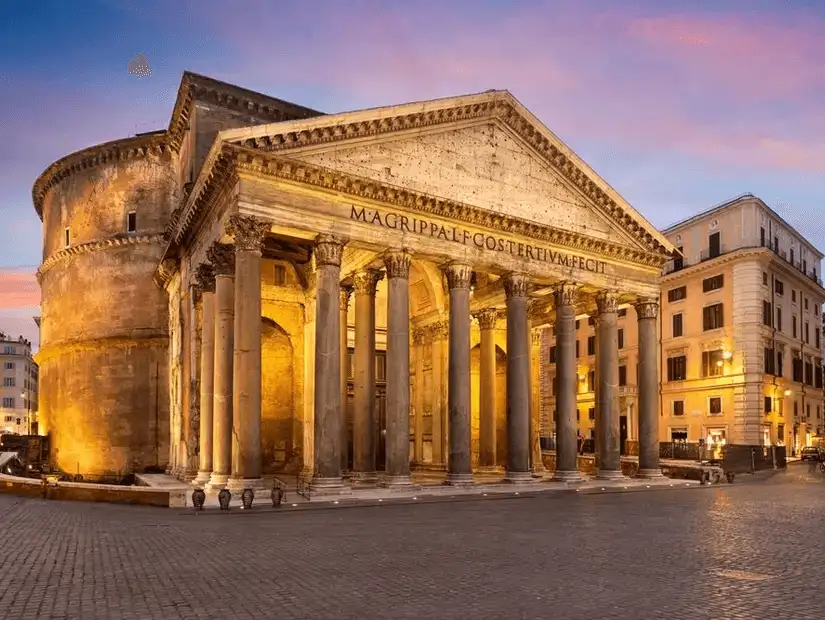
(678, 105)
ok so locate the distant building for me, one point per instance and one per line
(741, 336)
(18, 391)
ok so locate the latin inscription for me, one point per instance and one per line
(480, 240)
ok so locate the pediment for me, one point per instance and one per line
(484, 165)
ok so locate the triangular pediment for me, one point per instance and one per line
(482, 150)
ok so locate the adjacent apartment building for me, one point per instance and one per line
(740, 336)
(18, 391)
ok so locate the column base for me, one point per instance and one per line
(202, 478)
(459, 480)
(328, 486)
(610, 474)
(518, 477)
(567, 476)
(216, 482)
(361, 479)
(237, 485)
(650, 474)
(398, 483)
(489, 469)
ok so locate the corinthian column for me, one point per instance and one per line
(365, 422)
(249, 233)
(647, 311)
(459, 467)
(205, 276)
(222, 257)
(567, 460)
(607, 360)
(518, 380)
(328, 410)
(487, 319)
(398, 370)
(346, 291)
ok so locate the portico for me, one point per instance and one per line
(440, 235)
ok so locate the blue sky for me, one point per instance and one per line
(678, 105)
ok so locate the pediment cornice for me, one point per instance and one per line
(498, 106)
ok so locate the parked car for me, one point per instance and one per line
(810, 453)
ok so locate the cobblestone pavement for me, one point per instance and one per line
(751, 550)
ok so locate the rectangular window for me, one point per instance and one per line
(780, 364)
(676, 294)
(553, 355)
(591, 381)
(712, 363)
(762, 236)
(622, 376)
(67, 238)
(8, 382)
(779, 287)
(131, 222)
(578, 324)
(779, 319)
(796, 369)
(806, 303)
(793, 326)
(591, 413)
(816, 338)
(809, 373)
(714, 283)
(678, 407)
(8, 403)
(622, 312)
(676, 325)
(578, 415)
(793, 293)
(591, 321)
(677, 368)
(591, 345)
(768, 404)
(775, 243)
(621, 338)
(9, 365)
(712, 317)
(577, 348)
(792, 261)
(818, 376)
(769, 361)
(714, 245)
(555, 384)
(715, 405)
(764, 278)
(679, 260)
(767, 310)
(807, 333)
(795, 409)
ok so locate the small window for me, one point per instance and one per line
(591, 321)
(591, 345)
(767, 313)
(591, 381)
(68, 238)
(552, 355)
(676, 294)
(8, 382)
(9, 365)
(715, 405)
(577, 349)
(768, 404)
(577, 324)
(714, 283)
(591, 413)
(806, 303)
(779, 287)
(131, 222)
(678, 407)
(779, 319)
(764, 278)
(621, 338)
(677, 325)
(713, 363)
(793, 295)
(622, 312)
(622, 376)
(677, 368)
(712, 317)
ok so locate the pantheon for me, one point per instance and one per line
(263, 288)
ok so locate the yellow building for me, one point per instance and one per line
(740, 335)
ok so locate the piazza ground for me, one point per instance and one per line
(748, 550)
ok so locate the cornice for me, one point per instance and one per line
(94, 246)
(269, 165)
(498, 107)
(50, 352)
(124, 149)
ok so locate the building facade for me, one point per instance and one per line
(741, 343)
(347, 292)
(19, 388)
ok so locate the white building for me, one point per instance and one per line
(18, 391)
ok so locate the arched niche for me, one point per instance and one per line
(501, 403)
(281, 436)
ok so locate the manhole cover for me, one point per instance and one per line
(743, 575)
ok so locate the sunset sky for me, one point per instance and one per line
(677, 108)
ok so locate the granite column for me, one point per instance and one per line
(518, 380)
(567, 383)
(607, 360)
(487, 320)
(346, 291)
(205, 276)
(647, 311)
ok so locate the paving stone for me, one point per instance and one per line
(748, 550)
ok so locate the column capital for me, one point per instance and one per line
(329, 250)
(365, 281)
(607, 302)
(205, 277)
(397, 263)
(565, 293)
(249, 232)
(458, 275)
(647, 307)
(346, 291)
(515, 285)
(222, 257)
(487, 318)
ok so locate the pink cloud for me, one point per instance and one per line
(18, 290)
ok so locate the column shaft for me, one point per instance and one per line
(567, 383)
(398, 370)
(249, 233)
(459, 467)
(647, 311)
(344, 299)
(206, 280)
(223, 258)
(518, 380)
(328, 412)
(607, 360)
(365, 422)
(487, 389)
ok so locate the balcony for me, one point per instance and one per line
(798, 265)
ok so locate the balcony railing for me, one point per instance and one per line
(798, 265)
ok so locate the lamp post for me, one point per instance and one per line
(28, 413)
